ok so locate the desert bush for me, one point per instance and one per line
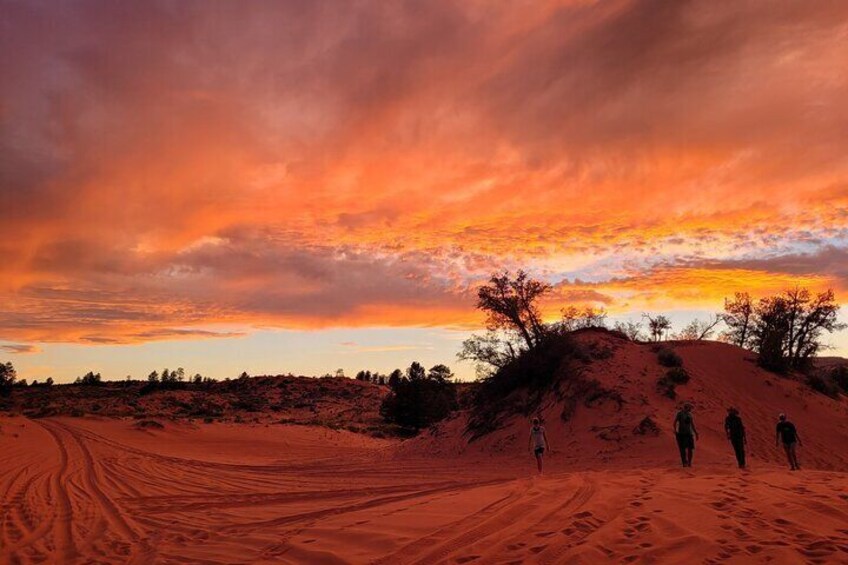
(666, 387)
(521, 384)
(590, 392)
(669, 358)
(677, 375)
(667, 384)
(249, 403)
(823, 384)
(629, 329)
(205, 408)
(647, 427)
(840, 378)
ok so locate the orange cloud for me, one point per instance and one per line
(304, 165)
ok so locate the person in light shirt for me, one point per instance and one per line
(538, 442)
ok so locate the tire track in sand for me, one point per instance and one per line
(500, 518)
(63, 535)
(131, 545)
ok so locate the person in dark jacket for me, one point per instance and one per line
(788, 435)
(735, 430)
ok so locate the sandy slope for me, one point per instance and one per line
(722, 375)
(80, 490)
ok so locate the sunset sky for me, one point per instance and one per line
(304, 186)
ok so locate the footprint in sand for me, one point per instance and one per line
(467, 558)
(778, 542)
(783, 522)
(544, 534)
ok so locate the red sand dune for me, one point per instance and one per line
(84, 490)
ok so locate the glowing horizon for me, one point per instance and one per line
(233, 180)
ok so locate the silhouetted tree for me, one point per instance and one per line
(787, 328)
(440, 373)
(415, 371)
(395, 377)
(658, 326)
(633, 330)
(153, 377)
(8, 376)
(364, 376)
(489, 352)
(574, 318)
(698, 330)
(739, 317)
(511, 304)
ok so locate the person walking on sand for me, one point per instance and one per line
(735, 430)
(787, 433)
(686, 434)
(538, 442)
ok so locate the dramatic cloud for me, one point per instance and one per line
(195, 170)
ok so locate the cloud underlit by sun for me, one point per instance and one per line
(169, 169)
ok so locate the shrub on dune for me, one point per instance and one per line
(669, 358)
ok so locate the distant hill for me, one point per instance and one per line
(335, 402)
(614, 409)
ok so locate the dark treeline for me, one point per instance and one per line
(786, 330)
(419, 398)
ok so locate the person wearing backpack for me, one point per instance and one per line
(686, 434)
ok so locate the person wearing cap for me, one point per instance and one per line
(788, 435)
(686, 434)
(735, 430)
